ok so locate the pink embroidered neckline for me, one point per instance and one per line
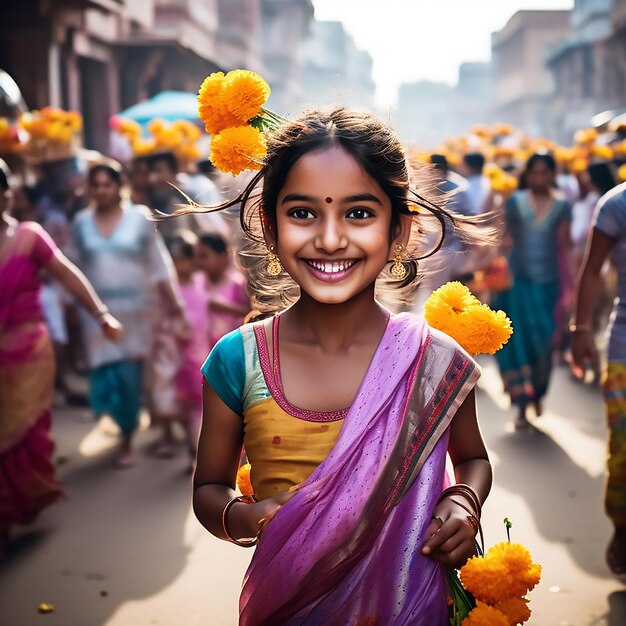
(273, 379)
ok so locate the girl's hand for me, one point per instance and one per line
(256, 516)
(452, 542)
(112, 329)
(584, 353)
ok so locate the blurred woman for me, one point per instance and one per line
(538, 229)
(115, 244)
(608, 238)
(27, 477)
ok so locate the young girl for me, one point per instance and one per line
(345, 410)
(228, 299)
(193, 290)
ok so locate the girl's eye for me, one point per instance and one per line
(359, 214)
(301, 214)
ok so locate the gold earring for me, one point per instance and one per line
(398, 270)
(274, 268)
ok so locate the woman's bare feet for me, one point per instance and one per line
(521, 421)
(538, 407)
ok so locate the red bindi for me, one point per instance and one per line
(329, 200)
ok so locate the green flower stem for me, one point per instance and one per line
(462, 601)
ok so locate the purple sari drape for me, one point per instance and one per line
(346, 549)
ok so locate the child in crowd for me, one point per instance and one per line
(228, 299)
(195, 346)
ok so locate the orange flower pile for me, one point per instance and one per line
(231, 108)
(52, 125)
(9, 137)
(454, 310)
(499, 581)
(243, 480)
(178, 137)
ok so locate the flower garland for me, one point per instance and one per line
(454, 310)
(231, 106)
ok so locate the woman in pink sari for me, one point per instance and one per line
(346, 411)
(27, 478)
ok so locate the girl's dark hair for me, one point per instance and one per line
(215, 242)
(181, 244)
(378, 150)
(602, 177)
(101, 168)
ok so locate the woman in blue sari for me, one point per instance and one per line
(538, 229)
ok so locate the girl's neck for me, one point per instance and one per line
(110, 209)
(336, 327)
(184, 279)
(541, 193)
(217, 277)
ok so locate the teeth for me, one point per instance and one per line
(331, 267)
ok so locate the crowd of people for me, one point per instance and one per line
(94, 284)
(97, 275)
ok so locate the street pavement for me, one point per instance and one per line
(126, 550)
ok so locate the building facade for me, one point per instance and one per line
(335, 70)
(588, 72)
(523, 83)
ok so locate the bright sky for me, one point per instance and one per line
(413, 40)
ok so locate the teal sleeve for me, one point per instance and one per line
(225, 370)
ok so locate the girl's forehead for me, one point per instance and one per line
(328, 172)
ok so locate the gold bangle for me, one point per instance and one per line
(244, 543)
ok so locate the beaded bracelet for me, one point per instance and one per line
(244, 543)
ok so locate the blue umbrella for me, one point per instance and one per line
(167, 105)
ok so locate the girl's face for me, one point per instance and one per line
(209, 261)
(184, 266)
(104, 191)
(540, 177)
(333, 222)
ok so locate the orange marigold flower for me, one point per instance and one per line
(445, 306)
(244, 94)
(515, 609)
(484, 615)
(243, 480)
(514, 555)
(237, 149)
(486, 579)
(211, 108)
(481, 330)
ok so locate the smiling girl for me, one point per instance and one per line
(346, 411)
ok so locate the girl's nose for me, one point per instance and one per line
(332, 236)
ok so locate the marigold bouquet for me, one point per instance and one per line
(492, 587)
(454, 310)
(232, 109)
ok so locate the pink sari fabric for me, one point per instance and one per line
(347, 548)
(27, 478)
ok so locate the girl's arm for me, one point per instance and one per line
(453, 542)
(77, 284)
(583, 346)
(219, 452)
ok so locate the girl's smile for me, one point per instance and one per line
(333, 250)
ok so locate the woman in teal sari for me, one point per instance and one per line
(538, 228)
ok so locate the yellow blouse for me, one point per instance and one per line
(284, 443)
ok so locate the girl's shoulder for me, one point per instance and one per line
(225, 370)
(445, 349)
